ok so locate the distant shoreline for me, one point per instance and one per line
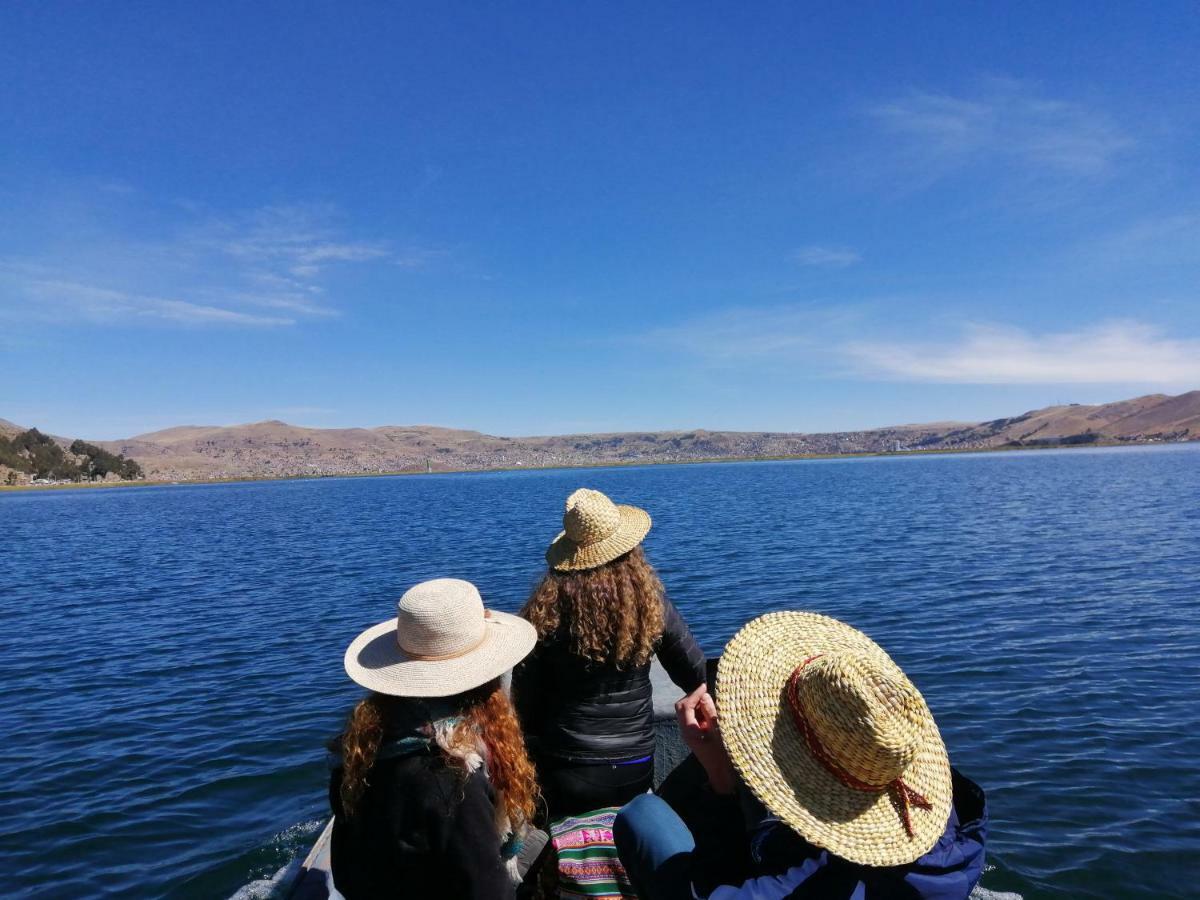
(252, 479)
(274, 450)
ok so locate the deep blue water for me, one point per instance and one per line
(171, 657)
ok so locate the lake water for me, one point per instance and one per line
(171, 657)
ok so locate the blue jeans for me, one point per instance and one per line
(656, 849)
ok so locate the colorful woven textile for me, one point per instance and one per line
(588, 866)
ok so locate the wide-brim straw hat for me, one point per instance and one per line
(832, 737)
(441, 643)
(595, 531)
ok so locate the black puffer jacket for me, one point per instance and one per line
(579, 710)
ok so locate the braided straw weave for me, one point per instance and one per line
(595, 531)
(833, 738)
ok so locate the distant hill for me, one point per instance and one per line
(274, 448)
(1154, 417)
(30, 454)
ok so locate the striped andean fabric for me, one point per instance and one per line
(588, 866)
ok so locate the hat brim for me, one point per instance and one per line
(772, 757)
(567, 556)
(375, 661)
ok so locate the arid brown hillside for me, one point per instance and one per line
(1154, 417)
(273, 448)
(276, 448)
(1174, 415)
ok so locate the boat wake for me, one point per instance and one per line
(296, 839)
(269, 888)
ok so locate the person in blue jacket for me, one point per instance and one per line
(818, 772)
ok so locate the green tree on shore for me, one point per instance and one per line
(99, 463)
(43, 457)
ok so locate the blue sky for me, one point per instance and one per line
(544, 218)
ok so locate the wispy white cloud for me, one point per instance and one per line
(1164, 240)
(298, 304)
(1006, 121)
(1115, 352)
(825, 255)
(748, 333)
(828, 343)
(298, 239)
(106, 306)
(258, 268)
(416, 257)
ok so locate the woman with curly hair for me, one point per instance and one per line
(584, 694)
(432, 789)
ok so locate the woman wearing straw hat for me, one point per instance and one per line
(432, 790)
(584, 694)
(850, 793)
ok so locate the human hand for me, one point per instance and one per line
(701, 731)
(697, 717)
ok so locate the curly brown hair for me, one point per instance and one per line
(486, 716)
(612, 613)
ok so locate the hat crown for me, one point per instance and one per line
(590, 517)
(870, 720)
(440, 619)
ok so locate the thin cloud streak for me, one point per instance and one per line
(831, 256)
(260, 268)
(1117, 352)
(281, 241)
(106, 306)
(1164, 240)
(298, 238)
(827, 343)
(1008, 122)
(746, 333)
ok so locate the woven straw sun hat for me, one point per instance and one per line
(595, 531)
(441, 643)
(832, 738)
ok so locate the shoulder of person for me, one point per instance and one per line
(429, 780)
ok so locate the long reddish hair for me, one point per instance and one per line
(486, 716)
(612, 613)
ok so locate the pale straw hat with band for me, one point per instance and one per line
(441, 643)
(833, 738)
(595, 531)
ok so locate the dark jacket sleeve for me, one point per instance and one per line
(470, 846)
(528, 691)
(678, 651)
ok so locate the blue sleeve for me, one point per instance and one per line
(954, 866)
(771, 887)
